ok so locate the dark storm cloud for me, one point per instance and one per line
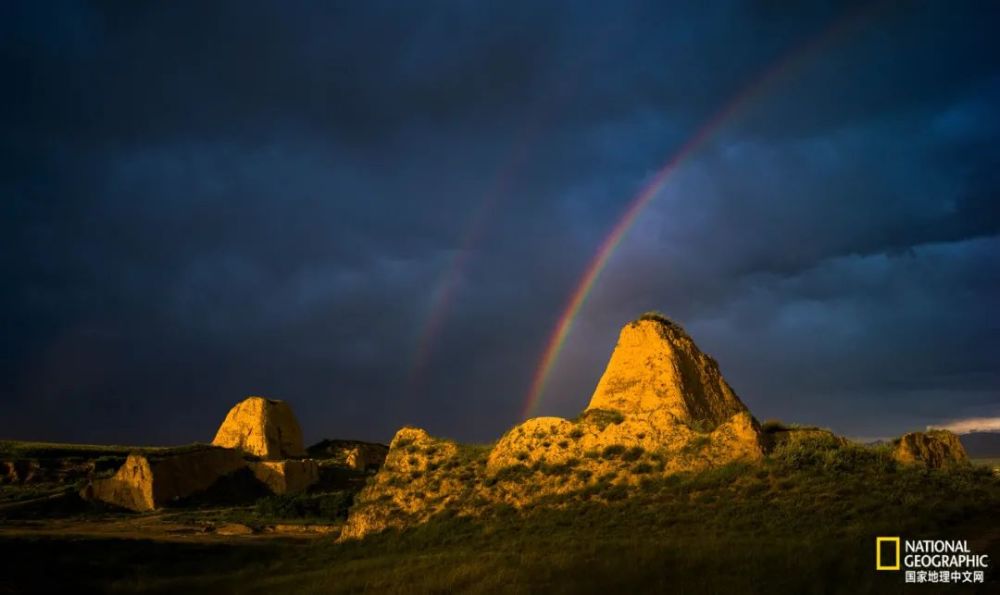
(204, 201)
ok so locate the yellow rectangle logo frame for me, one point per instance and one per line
(878, 553)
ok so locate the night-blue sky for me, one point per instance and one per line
(207, 200)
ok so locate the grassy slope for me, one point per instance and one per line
(21, 449)
(802, 522)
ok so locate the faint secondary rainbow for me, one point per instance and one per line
(652, 188)
(445, 291)
(450, 280)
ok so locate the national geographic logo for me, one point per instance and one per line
(886, 548)
(931, 560)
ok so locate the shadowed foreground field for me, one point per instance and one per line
(802, 522)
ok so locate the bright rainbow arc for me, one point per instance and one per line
(650, 191)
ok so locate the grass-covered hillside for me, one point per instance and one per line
(802, 521)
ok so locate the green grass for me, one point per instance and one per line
(601, 418)
(20, 493)
(776, 425)
(20, 449)
(327, 508)
(804, 521)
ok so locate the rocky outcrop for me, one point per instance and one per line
(422, 476)
(657, 372)
(62, 470)
(146, 482)
(935, 449)
(265, 430)
(659, 394)
(19, 472)
(661, 407)
(285, 477)
(262, 427)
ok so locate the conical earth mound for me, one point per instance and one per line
(262, 427)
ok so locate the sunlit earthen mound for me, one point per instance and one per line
(659, 393)
(656, 370)
(935, 448)
(256, 428)
(145, 482)
(285, 477)
(262, 427)
(661, 407)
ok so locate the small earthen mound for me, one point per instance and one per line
(935, 449)
(776, 435)
(262, 427)
(147, 482)
(422, 476)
